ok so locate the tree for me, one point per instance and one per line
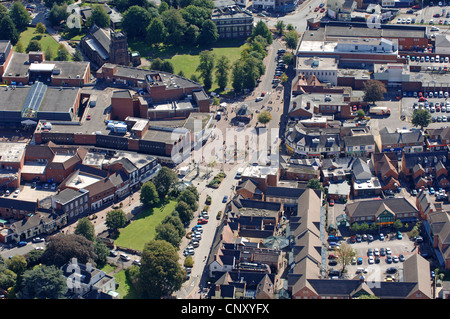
(264, 117)
(206, 67)
(149, 196)
(135, 22)
(262, 29)
(195, 15)
(61, 248)
(360, 113)
(374, 90)
(164, 181)
(77, 56)
(222, 71)
(291, 39)
(99, 17)
(345, 255)
(160, 273)
(288, 58)
(63, 54)
(175, 25)
(156, 64)
(40, 28)
(43, 282)
(192, 34)
(19, 47)
(280, 26)
(174, 219)
(17, 264)
(238, 76)
(421, 117)
(57, 14)
(85, 228)
(208, 33)
(189, 198)
(169, 233)
(19, 15)
(34, 45)
(184, 211)
(8, 30)
(156, 31)
(115, 219)
(167, 66)
(49, 55)
(101, 253)
(314, 184)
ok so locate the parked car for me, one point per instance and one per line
(225, 199)
(38, 240)
(22, 243)
(399, 235)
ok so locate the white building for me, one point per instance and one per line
(325, 69)
(263, 4)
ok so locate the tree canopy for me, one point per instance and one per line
(421, 117)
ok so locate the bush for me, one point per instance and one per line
(208, 200)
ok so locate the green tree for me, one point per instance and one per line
(115, 219)
(189, 198)
(208, 33)
(238, 76)
(288, 58)
(206, 67)
(156, 32)
(175, 26)
(43, 282)
(17, 264)
(280, 26)
(345, 255)
(191, 35)
(421, 117)
(156, 64)
(61, 248)
(49, 55)
(57, 14)
(184, 211)
(19, 47)
(262, 29)
(360, 113)
(40, 28)
(8, 30)
(169, 233)
(167, 66)
(85, 228)
(264, 117)
(222, 71)
(101, 252)
(135, 22)
(99, 17)
(63, 54)
(195, 15)
(374, 90)
(164, 181)
(19, 15)
(314, 184)
(149, 196)
(174, 219)
(77, 56)
(34, 45)
(291, 39)
(160, 273)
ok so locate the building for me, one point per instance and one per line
(383, 212)
(72, 203)
(400, 141)
(341, 10)
(359, 144)
(324, 69)
(232, 21)
(363, 182)
(88, 282)
(106, 46)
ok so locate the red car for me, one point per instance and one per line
(202, 221)
(88, 117)
(416, 6)
(420, 94)
(322, 10)
(316, 9)
(331, 202)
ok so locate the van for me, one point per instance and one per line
(241, 124)
(441, 94)
(239, 172)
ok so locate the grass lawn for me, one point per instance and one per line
(143, 228)
(187, 58)
(46, 40)
(125, 289)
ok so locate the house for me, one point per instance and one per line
(336, 169)
(300, 169)
(341, 9)
(399, 142)
(438, 138)
(426, 204)
(385, 165)
(383, 212)
(248, 189)
(363, 182)
(83, 279)
(423, 164)
(232, 21)
(313, 142)
(73, 203)
(437, 225)
(339, 191)
(359, 144)
(243, 285)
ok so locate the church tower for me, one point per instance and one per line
(118, 50)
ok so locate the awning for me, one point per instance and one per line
(29, 122)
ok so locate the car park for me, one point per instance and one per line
(395, 259)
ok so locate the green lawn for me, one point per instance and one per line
(143, 228)
(126, 289)
(187, 58)
(45, 40)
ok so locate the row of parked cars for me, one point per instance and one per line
(281, 67)
(196, 234)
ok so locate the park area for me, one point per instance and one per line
(143, 228)
(187, 59)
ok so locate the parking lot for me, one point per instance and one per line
(438, 107)
(430, 15)
(380, 268)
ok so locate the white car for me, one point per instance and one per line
(259, 99)
(376, 252)
(371, 260)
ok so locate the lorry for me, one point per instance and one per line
(380, 110)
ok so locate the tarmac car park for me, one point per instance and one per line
(374, 255)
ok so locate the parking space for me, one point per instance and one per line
(429, 15)
(438, 107)
(376, 257)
